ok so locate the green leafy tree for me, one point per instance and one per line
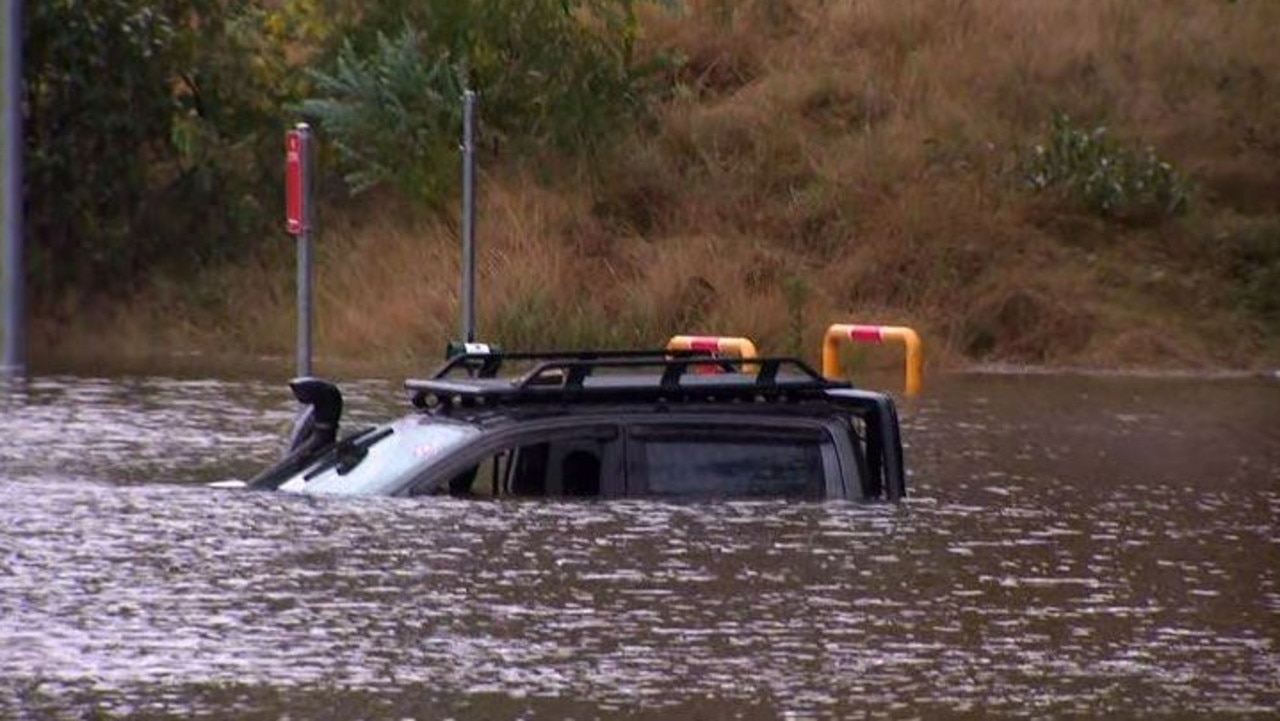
(391, 114)
(154, 127)
(557, 73)
(146, 124)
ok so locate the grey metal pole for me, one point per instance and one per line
(304, 255)
(13, 362)
(468, 217)
(304, 303)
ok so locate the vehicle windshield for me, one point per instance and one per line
(381, 460)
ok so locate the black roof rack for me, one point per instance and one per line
(487, 365)
(628, 376)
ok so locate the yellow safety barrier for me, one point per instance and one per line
(874, 334)
(716, 344)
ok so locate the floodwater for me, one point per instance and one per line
(1073, 546)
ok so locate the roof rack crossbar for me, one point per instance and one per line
(673, 369)
(487, 365)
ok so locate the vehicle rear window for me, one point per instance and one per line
(732, 465)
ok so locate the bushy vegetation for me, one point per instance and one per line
(390, 116)
(154, 127)
(1255, 264)
(148, 131)
(1105, 176)
(790, 164)
(557, 73)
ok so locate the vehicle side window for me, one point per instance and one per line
(536, 465)
(728, 462)
(482, 480)
(565, 467)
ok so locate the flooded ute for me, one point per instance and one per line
(653, 424)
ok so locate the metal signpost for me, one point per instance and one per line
(13, 362)
(298, 221)
(468, 217)
(467, 301)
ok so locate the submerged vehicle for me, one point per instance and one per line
(665, 424)
(683, 422)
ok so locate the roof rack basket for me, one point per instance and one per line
(618, 375)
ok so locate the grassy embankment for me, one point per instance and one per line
(822, 162)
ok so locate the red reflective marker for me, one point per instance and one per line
(705, 344)
(294, 205)
(865, 334)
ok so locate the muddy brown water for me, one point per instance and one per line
(1073, 546)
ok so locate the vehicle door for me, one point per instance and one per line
(560, 458)
(702, 458)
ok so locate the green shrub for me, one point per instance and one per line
(391, 116)
(152, 131)
(1106, 177)
(1255, 267)
(556, 73)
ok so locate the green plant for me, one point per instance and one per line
(796, 292)
(391, 116)
(147, 126)
(1255, 267)
(1107, 177)
(556, 73)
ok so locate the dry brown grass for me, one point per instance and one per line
(837, 161)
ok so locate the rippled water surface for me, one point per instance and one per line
(1072, 547)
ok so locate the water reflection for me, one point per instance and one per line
(132, 430)
(1071, 547)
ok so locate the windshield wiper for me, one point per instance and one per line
(348, 453)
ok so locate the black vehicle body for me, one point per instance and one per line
(607, 425)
